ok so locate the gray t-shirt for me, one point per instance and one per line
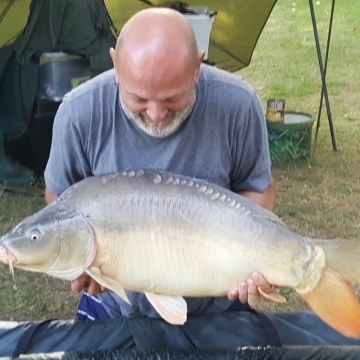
(223, 140)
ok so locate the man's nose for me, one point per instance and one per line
(156, 111)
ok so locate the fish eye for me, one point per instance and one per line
(34, 235)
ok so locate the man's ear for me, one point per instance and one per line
(201, 56)
(112, 55)
(113, 58)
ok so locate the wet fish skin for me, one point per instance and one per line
(171, 236)
(44, 246)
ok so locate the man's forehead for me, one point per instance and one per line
(155, 78)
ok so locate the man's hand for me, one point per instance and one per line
(248, 292)
(85, 282)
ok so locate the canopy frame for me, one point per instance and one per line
(323, 71)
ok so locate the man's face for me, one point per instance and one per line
(158, 113)
(158, 117)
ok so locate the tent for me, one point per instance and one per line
(89, 28)
(233, 36)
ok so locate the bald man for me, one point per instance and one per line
(161, 108)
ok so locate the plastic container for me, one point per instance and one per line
(275, 109)
(290, 139)
(201, 24)
(59, 73)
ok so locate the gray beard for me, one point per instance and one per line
(155, 129)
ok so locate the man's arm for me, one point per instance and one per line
(266, 199)
(49, 196)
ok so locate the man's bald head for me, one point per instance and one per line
(158, 30)
(157, 37)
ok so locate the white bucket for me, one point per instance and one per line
(201, 24)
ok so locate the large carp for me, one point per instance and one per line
(170, 236)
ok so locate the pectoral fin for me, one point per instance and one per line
(273, 296)
(107, 282)
(173, 309)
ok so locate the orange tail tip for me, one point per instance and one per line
(335, 302)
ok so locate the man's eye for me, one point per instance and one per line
(138, 100)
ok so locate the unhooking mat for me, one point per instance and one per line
(234, 335)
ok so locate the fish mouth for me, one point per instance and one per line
(8, 258)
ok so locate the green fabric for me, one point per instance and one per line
(83, 27)
(80, 27)
(18, 84)
(72, 26)
(234, 34)
(12, 174)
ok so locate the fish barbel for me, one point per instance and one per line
(170, 236)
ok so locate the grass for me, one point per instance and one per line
(30, 296)
(318, 197)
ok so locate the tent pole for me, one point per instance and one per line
(323, 69)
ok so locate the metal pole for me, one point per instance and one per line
(323, 69)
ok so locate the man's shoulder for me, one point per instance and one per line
(91, 101)
(211, 75)
(102, 83)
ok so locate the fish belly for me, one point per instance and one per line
(193, 256)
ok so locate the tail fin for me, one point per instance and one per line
(333, 298)
(335, 302)
(343, 256)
